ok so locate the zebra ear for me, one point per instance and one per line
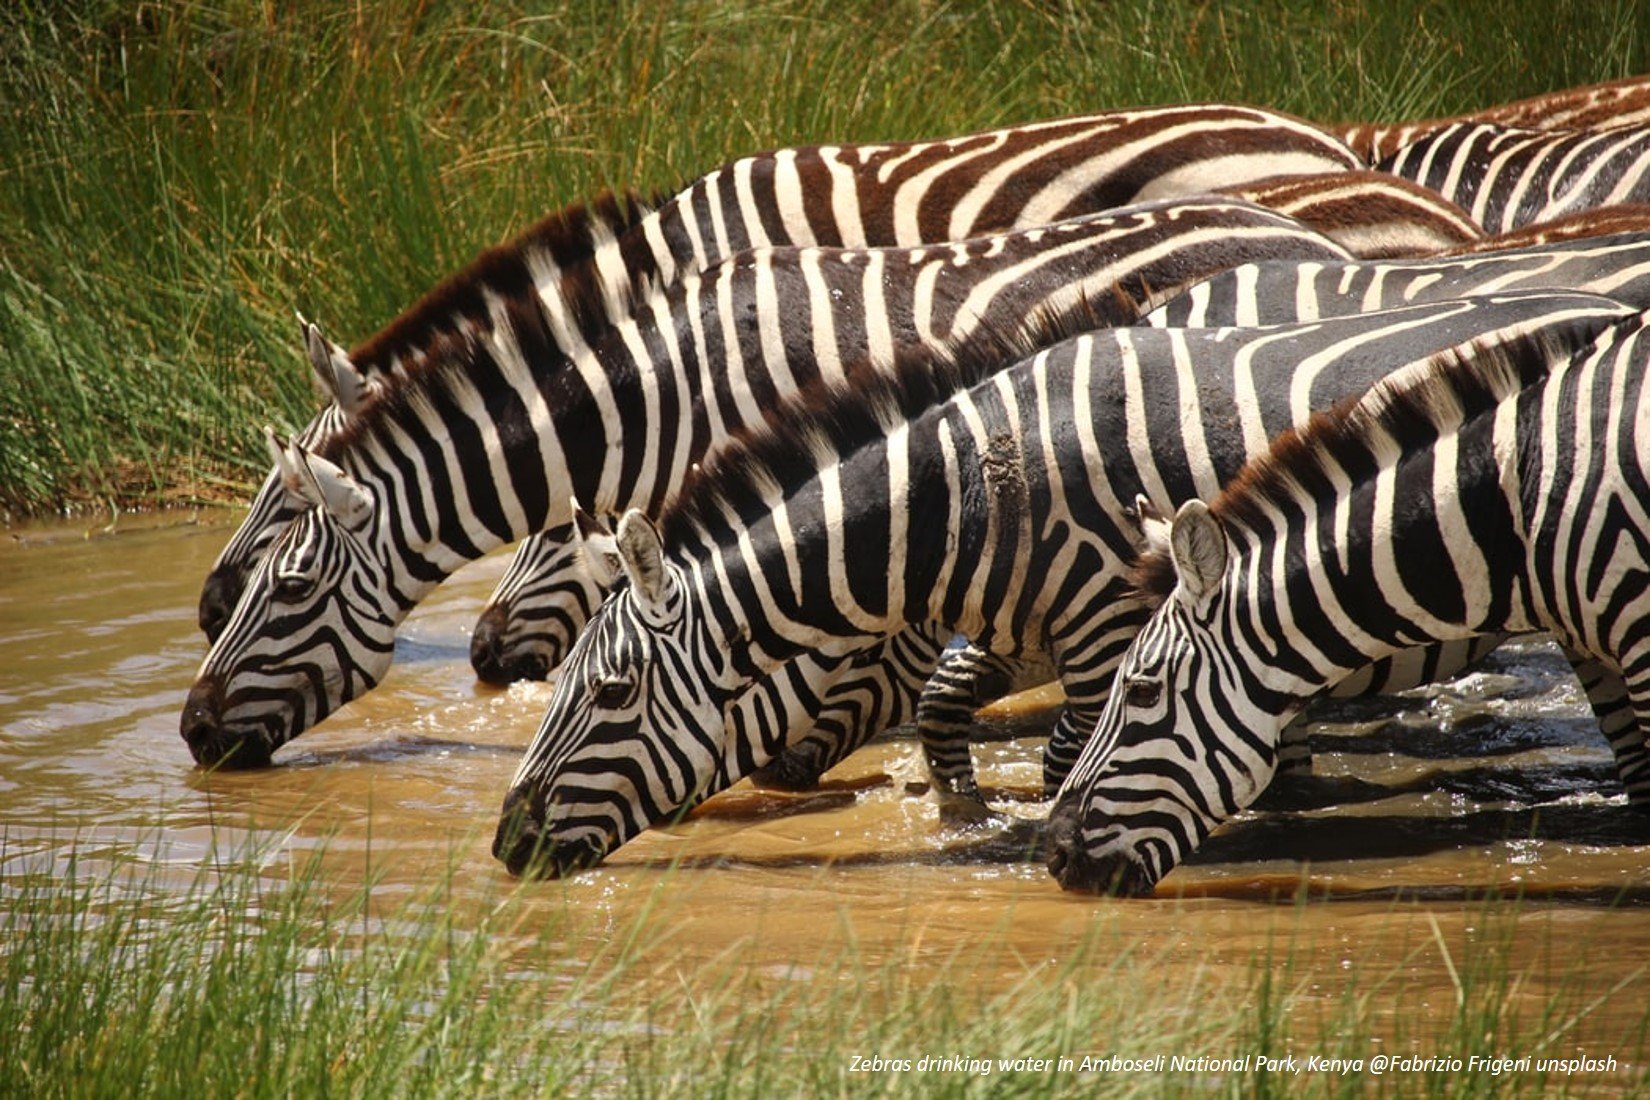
(1198, 544)
(598, 548)
(335, 376)
(642, 554)
(1154, 527)
(326, 485)
(291, 479)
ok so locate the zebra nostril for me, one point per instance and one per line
(487, 655)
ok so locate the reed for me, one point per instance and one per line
(269, 973)
(177, 178)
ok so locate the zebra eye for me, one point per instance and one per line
(292, 587)
(613, 693)
(1142, 693)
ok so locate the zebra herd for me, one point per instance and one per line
(774, 442)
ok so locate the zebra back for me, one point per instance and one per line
(1507, 177)
(1624, 102)
(1276, 291)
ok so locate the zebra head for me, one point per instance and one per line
(310, 631)
(1189, 735)
(536, 611)
(347, 391)
(633, 730)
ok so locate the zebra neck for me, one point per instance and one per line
(1428, 550)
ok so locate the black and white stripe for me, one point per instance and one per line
(1000, 513)
(1507, 177)
(866, 195)
(1507, 490)
(1276, 291)
(497, 427)
(1613, 103)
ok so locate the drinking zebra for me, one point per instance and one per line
(1590, 107)
(997, 512)
(491, 431)
(1507, 177)
(902, 194)
(1503, 489)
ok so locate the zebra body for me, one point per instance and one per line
(867, 195)
(1590, 107)
(1507, 177)
(998, 513)
(1373, 215)
(498, 429)
(1507, 491)
(1275, 291)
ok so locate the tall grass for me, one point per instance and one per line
(260, 978)
(176, 178)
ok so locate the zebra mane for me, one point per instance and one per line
(460, 301)
(825, 422)
(1404, 412)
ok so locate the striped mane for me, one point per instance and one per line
(825, 422)
(459, 302)
(1407, 411)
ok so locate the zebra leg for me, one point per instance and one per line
(966, 679)
(872, 691)
(1612, 705)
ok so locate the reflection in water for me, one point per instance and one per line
(1422, 806)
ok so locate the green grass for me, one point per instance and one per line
(177, 178)
(263, 979)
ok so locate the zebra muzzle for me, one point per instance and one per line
(210, 742)
(493, 657)
(1074, 867)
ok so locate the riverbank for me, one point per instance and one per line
(177, 179)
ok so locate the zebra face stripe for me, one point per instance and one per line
(310, 633)
(633, 736)
(1187, 739)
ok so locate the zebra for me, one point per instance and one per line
(1274, 291)
(1507, 177)
(492, 431)
(994, 512)
(1524, 480)
(1590, 107)
(901, 194)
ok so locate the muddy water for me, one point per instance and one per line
(1423, 805)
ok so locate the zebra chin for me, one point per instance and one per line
(1117, 871)
(520, 843)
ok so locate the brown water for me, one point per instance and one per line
(1429, 802)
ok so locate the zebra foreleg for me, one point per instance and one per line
(967, 678)
(1612, 705)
